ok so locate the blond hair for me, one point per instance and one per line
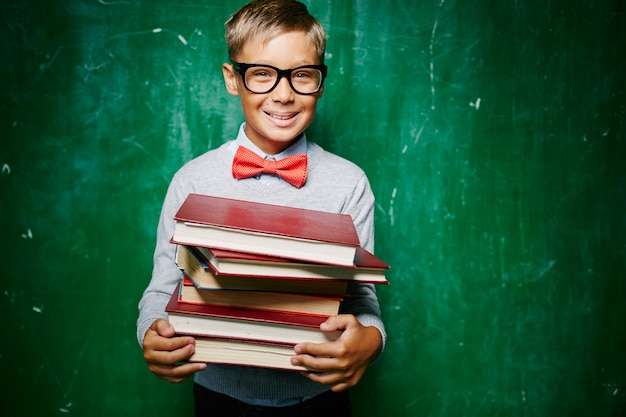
(266, 19)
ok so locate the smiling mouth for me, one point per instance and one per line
(281, 116)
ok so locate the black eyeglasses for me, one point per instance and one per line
(261, 79)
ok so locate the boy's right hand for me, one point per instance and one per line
(163, 352)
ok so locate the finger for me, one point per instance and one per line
(177, 373)
(169, 351)
(329, 349)
(325, 378)
(318, 363)
(336, 381)
(154, 342)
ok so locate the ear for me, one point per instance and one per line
(230, 79)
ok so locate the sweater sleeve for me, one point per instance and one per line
(362, 301)
(165, 273)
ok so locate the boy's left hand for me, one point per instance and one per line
(341, 363)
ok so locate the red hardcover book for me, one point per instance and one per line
(267, 229)
(247, 324)
(261, 300)
(367, 267)
(203, 276)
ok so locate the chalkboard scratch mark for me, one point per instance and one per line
(39, 371)
(360, 59)
(81, 354)
(11, 298)
(45, 67)
(475, 104)
(47, 364)
(419, 132)
(171, 71)
(432, 66)
(149, 106)
(89, 68)
(391, 213)
(526, 272)
(179, 36)
(144, 150)
(92, 68)
(431, 49)
(182, 39)
(111, 3)
(414, 402)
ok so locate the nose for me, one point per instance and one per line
(283, 91)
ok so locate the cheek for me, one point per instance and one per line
(251, 101)
(311, 104)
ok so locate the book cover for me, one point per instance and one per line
(367, 267)
(293, 233)
(230, 322)
(261, 300)
(203, 276)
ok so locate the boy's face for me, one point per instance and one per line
(275, 119)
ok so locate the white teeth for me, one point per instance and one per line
(281, 117)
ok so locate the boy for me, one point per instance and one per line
(276, 50)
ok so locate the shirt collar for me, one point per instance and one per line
(299, 147)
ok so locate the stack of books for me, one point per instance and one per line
(258, 278)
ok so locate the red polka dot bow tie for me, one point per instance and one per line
(248, 164)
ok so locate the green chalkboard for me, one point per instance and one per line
(493, 133)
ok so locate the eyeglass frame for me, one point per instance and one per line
(241, 68)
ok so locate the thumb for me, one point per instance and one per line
(163, 328)
(336, 322)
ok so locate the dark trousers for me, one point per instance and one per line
(209, 403)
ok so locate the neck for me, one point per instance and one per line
(275, 148)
